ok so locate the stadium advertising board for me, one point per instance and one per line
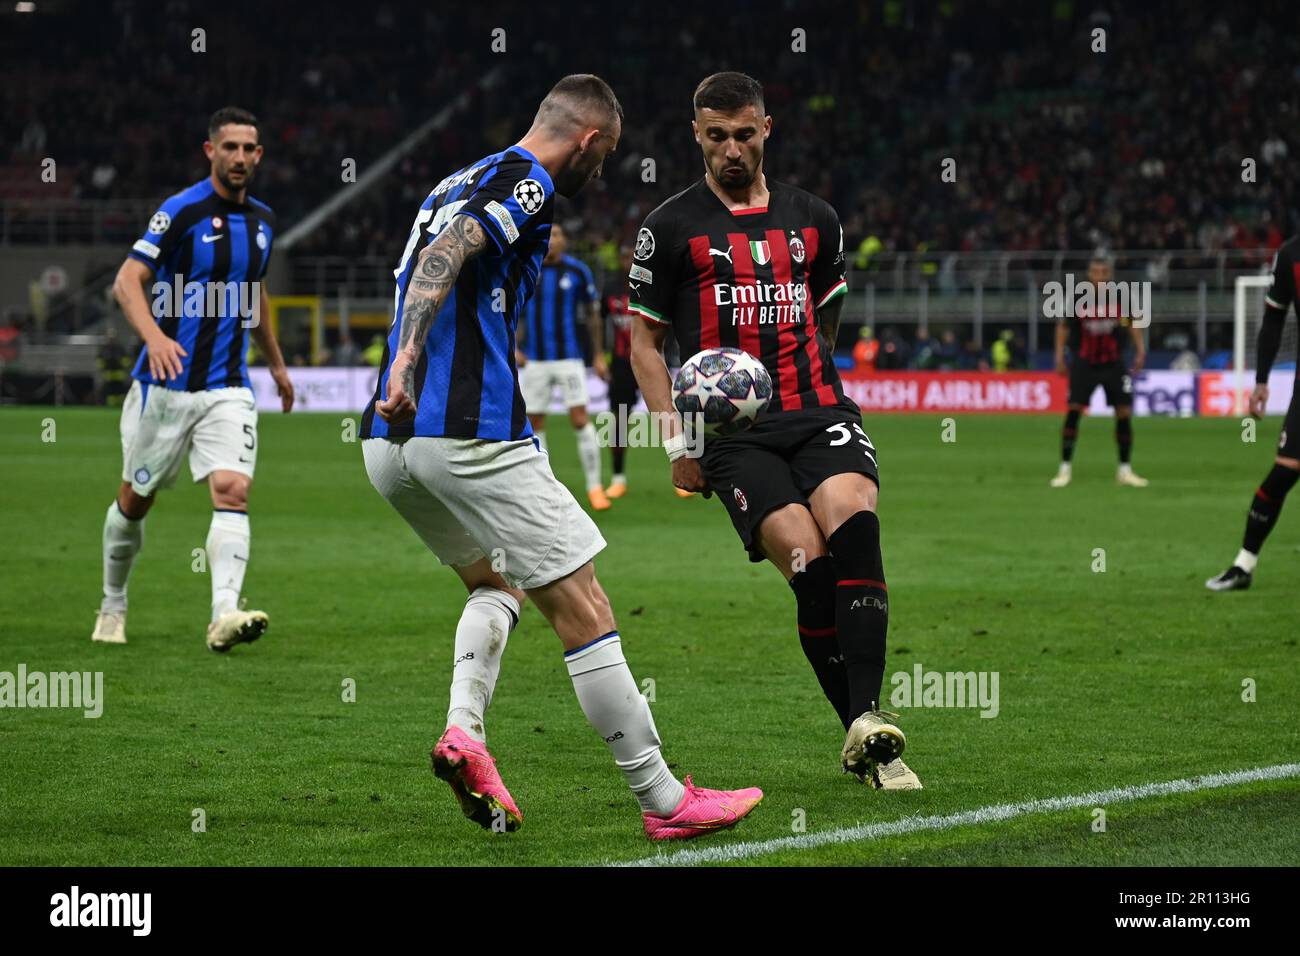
(1010, 392)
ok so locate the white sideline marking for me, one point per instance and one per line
(994, 814)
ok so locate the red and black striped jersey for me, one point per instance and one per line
(614, 307)
(751, 279)
(1097, 335)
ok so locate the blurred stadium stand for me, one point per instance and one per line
(1059, 150)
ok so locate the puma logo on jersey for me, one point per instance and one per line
(726, 255)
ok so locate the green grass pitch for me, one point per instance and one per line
(1107, 679)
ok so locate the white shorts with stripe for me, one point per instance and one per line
(468, 498)
(537, 381)
(216, 429)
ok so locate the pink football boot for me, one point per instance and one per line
(702, 811)
(466, 764)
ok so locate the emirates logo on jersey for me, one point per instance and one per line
(797, 251)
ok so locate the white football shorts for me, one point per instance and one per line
(217, 428)
(537, 380)
(468, 498)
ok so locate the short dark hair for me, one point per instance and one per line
(231, 114)
(728, 92)
(576, 99)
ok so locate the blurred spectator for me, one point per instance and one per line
(894, 353)
(864, 352)
(345, 353)
(374, 353)
(114, 363)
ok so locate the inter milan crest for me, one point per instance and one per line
(530, 195)
(797, 250)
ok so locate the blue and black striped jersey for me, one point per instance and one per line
(466, 384)
(551, 315)
(208, 255)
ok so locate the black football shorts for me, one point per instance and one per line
(1112, 377)
(781, 460)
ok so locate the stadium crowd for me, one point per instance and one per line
(1056, 145)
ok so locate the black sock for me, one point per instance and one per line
(1124, 438)
(616, 452)
(1267, 505)
(861, 608)
(814, 591)
(1068, 434)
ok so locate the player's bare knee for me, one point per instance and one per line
(229, 490)
(132, 505)
(578, 416)
(480, 574)
(840, 497)
(1292, 463)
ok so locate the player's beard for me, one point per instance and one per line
(569, 181)
(223, 176)
(742, 176)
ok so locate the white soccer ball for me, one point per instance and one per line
(725, 389)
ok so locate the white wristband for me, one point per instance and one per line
(675, 447)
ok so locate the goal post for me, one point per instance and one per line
(1247, 312)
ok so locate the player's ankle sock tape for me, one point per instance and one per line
(1124, 438)
(1267, 505)
(814, 594)
(485, 624)
(861, 608)
(613, 704)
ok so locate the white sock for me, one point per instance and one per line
(481, 634)
(589, 454)
(123, 538)
(1125, 468)
(618, 479)
(1246, 561)
(613, 705)
(227, 547)
(1065, 468)
(541, 439)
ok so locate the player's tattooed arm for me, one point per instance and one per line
(436, 271)
(828, 320)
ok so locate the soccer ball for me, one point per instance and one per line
(727, 388)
